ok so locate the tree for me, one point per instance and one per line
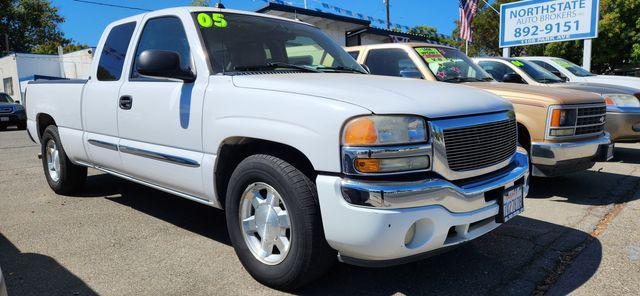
(618, 40)
(431, 32)
(201, 3)
(31, 26)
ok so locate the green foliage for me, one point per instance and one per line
(31, 26)
(201, 3)
(431, 33)
(618, 41)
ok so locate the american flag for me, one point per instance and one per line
(468, 9)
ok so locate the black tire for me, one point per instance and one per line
(309, 255)
(22, 125)
(71, 177)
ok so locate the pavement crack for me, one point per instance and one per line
(568, 257)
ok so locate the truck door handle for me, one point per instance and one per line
(126, 102)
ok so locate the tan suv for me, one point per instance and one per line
(562, 129)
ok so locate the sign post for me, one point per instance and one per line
(544, 21)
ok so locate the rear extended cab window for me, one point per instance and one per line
(114, 52)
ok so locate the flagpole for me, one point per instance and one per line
(466, 47)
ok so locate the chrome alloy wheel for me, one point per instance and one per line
(265, 223)
(53, 160)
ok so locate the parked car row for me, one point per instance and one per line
(11, 113)
(311, 158)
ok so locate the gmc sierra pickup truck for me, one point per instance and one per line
(272, 121)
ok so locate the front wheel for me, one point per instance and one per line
(63, 176)
(274, 223)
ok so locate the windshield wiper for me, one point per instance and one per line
(547, 80)
(273, 65)
(341, 68)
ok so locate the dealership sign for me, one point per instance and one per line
(544, 21)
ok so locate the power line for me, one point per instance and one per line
(112, 5)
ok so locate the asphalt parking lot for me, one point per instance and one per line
(578, 235)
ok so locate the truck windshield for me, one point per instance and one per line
(241, 43)
(536, 72)
(573, 68)
(451, 65)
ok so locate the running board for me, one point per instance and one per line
(154, 186)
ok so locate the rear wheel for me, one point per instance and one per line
(274, 223)
(63, 176)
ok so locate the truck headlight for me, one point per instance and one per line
(562, 122)
(378, 130)
(621, 100)
(19, 108)
(386, 144)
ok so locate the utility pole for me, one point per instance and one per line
(388, 17)
(6, 42)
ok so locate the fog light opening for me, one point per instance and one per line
(418, 234)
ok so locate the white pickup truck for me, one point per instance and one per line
(270, 120)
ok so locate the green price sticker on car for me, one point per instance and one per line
(517, 63)
(431, 55)
(215, 19)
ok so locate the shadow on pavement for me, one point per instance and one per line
(627, 155)
(186, 214)
(585, 188)
(36, 274)
(511, 260)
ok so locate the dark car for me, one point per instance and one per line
(11, 113)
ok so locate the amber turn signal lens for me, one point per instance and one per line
(609, 101)
(555, 117)
(368, 165)
(361, 131)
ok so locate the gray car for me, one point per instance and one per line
(623, 103)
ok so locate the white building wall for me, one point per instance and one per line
(77, 64)
(9, 69)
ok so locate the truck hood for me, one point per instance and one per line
(615, 80)
(540, 94)
(382, 94)
(598, 88)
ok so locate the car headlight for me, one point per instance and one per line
(378, 130)
(562, 122)
(621, 100)
(19, 108)
(386, 144)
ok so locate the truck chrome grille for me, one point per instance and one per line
(479, 146)
(591, 120)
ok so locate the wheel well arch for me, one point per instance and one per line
(235, 149)
(43, 120)
(524, 137)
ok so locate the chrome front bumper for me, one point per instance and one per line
(375, 232)
(455, 198)
(551, 159)
(624, 125)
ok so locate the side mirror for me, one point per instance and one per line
(17, 102)
(411, 74)
(366, 68)
(163, 63)
(512, 78)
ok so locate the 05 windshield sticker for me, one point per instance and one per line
(431, 55)
(210, 20)
(517, 63)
